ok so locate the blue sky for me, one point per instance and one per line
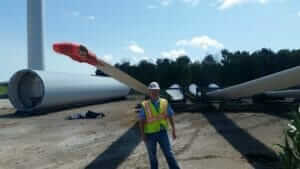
(148, 29)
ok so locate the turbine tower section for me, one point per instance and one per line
(35, 15)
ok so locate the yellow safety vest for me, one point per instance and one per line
(155, 119)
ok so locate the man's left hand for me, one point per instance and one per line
(174, 134)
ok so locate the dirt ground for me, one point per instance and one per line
(206, 140)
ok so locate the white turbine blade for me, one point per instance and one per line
(81, 54)
(122, 76)
(281, 80)
(293, 93)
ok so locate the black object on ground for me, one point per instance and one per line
(86, 115)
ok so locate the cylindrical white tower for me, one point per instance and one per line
(31, 90)
(35, 34)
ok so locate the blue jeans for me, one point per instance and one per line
(162, 138)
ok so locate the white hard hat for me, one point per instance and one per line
(153, 86)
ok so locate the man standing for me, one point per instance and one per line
(154, 116)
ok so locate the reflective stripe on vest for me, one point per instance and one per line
(151, 117)
(155, 119)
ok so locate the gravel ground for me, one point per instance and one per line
(206, 140)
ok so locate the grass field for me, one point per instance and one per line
(3, 90)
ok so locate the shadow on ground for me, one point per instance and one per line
(118, 151)
(255, 152)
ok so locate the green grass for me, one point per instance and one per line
(3, 90)
(290, 149)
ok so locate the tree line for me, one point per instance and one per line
(230, 69)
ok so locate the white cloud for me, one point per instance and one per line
(229, 3)
(76, 13)
(173, 54)
(203, 42)
(165, 2)
(192, 2)
(91, 18)
(109, 59)
(136, 49)
(147, 58)
(225, 4)
(151, 7)
(134, 59)
(263, 1)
